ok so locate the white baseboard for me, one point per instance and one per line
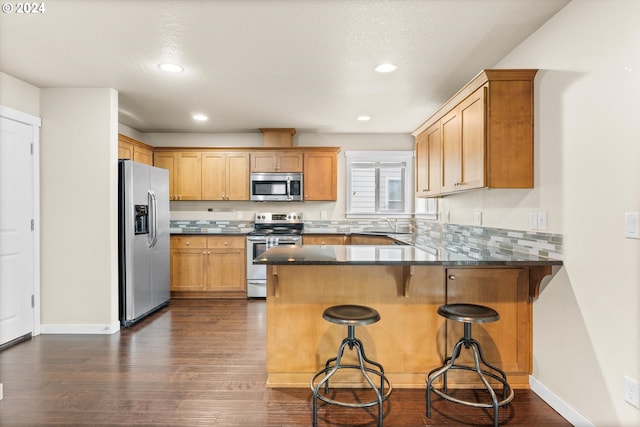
(92, 329)
(559, 405)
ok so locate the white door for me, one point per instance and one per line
(16, 235)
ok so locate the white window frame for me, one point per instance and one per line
(406, 157)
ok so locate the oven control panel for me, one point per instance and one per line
(278, 218)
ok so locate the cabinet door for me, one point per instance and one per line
(359, 239)
(289, 161)
(472, 135)
(226, 272)
(276, 161)
(451, 173)
(238, 176)
(142, 155)
(188, 268)
(428, 162)
(324, 239)
(125, 150)
(264, 161)
(214, 176)
(189, 176)
(320, 176)
(167, 160)
(227, 261)
(507, 342)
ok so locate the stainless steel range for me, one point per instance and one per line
(271, 229)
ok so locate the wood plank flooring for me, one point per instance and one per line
(198, 363)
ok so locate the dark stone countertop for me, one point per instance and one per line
(388, 255)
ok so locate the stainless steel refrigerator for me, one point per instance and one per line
(143, 240)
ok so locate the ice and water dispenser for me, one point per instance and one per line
(141, 220)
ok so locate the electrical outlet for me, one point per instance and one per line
(533, 220)
(632, 391)
(478, 217)
(542, 220)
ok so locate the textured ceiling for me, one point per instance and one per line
(305, 64)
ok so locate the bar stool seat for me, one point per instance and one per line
(468, 314)
(351, 316)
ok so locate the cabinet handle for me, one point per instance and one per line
(226, 243)
(451, 277)
(208, 253)
(204, 253)
(187, 243)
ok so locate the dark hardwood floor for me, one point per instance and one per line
(198, 362)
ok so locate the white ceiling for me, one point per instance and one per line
(304, 64)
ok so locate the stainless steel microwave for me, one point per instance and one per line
(276, 187)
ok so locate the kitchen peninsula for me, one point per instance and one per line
(406, 284)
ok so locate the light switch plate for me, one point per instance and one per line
(533, 220)
(542, 220)
(632, 225)
(478, 217)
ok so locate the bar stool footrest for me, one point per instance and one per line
(381, 375)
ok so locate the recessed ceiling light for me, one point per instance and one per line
(200, 118)
(386, 68)
(364, 118)
(171, 68)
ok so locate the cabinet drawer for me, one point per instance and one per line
(188, 242)
(223, 242)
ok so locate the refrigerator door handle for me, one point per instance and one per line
(153, 212)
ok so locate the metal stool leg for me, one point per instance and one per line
(330, 370)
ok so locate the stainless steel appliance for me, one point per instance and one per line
(276, 187)
(143, 240)
(271, 229)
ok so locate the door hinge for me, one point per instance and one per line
(33, 224)
(33, 301)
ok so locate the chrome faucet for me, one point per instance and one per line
(393, 225)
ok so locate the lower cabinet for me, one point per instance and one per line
(506, 343)
(208, 267)
(325, 239)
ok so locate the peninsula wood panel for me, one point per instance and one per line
(408, 340)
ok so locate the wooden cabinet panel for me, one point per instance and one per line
(361, 239)
(208, 266)
(276, 161)
(507, 342)
(428, 162)
(451, 167)
(167, 161)
(472, 141)
(486, 134)
(132, 149)
(325, 239)
(320, 176)
(237, 176)
(214, 176)
(225, 176)
(189, 176)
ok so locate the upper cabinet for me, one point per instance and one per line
(485, 135)
(225, 175)
(321, 175)
(132, 149)
(185, 173)
(276, 161)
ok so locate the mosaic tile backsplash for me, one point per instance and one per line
(473, 241)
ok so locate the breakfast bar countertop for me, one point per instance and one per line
(389, 255)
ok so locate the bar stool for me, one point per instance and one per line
(468, 314)
(351, 316)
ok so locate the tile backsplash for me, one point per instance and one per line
(474, 241)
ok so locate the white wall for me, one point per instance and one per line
(192, 210)
(19, 95)
(79, 179)
(586, 321)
